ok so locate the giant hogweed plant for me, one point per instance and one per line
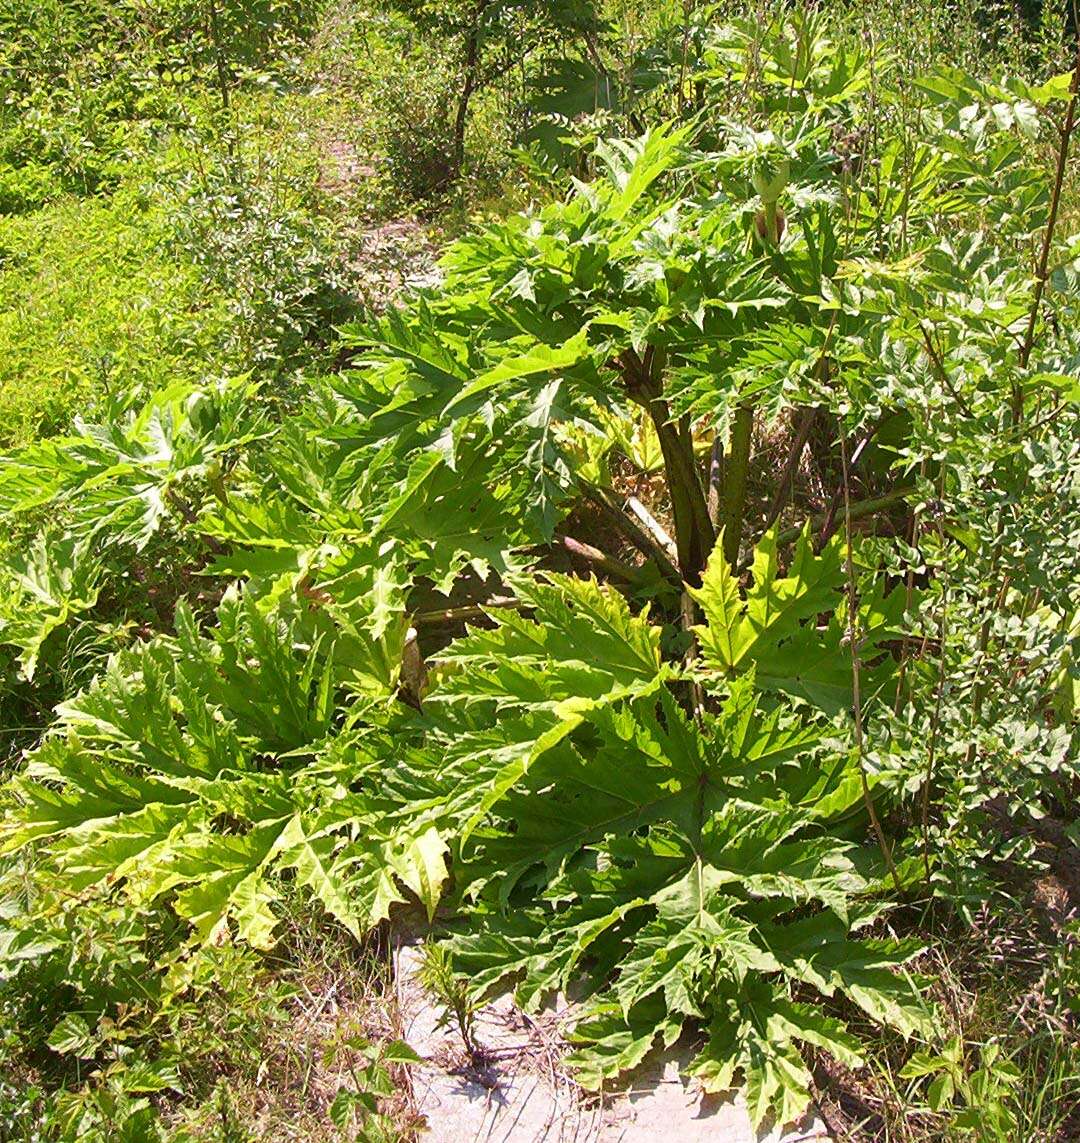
(696, 871)
(669, 806)
(455, 438)
(706, 869)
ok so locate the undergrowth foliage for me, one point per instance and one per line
(697, 791)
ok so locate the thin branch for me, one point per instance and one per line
(787, 473)
(983, 645)
(909, 595)
(1053, 414)
(858, 510)
(809, 418)
(645, 543)
(931, 750)
(842, 492)
(190, 519)
(687, 7)
(935, 722)
(943, 376)
(1042, 272)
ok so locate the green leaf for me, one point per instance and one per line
(774, 628)
(227, 880)
(320, 867)
(633, 166)
(55, 581)
(939, 1095)
(146, 1076)
(736, 631)
(539, 359)
(422, 866)
(72, 1036)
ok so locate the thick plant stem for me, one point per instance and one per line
(735, 473)
(693, 528)
(716, 479)
(654, 529)
(601, 560)
(468, 613)
(694, 534)
(649, 546)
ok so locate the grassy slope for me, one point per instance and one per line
(90, 303)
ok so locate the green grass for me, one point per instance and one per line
(90, 303)
(999, 987)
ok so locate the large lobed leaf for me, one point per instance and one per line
(683, 868)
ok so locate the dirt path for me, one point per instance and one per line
(384, 258)
(521, 1093)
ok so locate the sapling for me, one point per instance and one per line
(437, 975)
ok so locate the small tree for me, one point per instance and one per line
(490, 38)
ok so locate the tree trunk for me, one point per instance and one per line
(471, 68)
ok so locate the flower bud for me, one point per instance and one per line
(770, 178)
